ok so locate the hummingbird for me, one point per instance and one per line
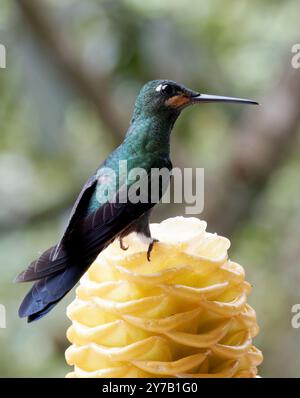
(96, 220)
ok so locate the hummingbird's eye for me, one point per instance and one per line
(166, 89)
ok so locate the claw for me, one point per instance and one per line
(122, 246)
(150, 247)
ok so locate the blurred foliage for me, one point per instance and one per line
(52, 138)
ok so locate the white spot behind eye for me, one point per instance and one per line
(158, 88)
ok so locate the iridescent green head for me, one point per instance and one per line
(168, 97)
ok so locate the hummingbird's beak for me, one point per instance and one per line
(195, 99)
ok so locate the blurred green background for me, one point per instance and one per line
(73, 71)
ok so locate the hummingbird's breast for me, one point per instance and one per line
(145, 145)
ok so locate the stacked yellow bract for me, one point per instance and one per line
(183, 314)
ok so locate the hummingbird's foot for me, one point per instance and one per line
(122, 246)
(150, 247)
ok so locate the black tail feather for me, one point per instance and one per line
(47, 292)
(57, 282)
(44, 266)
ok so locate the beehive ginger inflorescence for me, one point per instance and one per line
(183, 314)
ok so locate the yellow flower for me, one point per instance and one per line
(183, 314)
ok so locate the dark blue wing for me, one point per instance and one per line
(83, 240)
